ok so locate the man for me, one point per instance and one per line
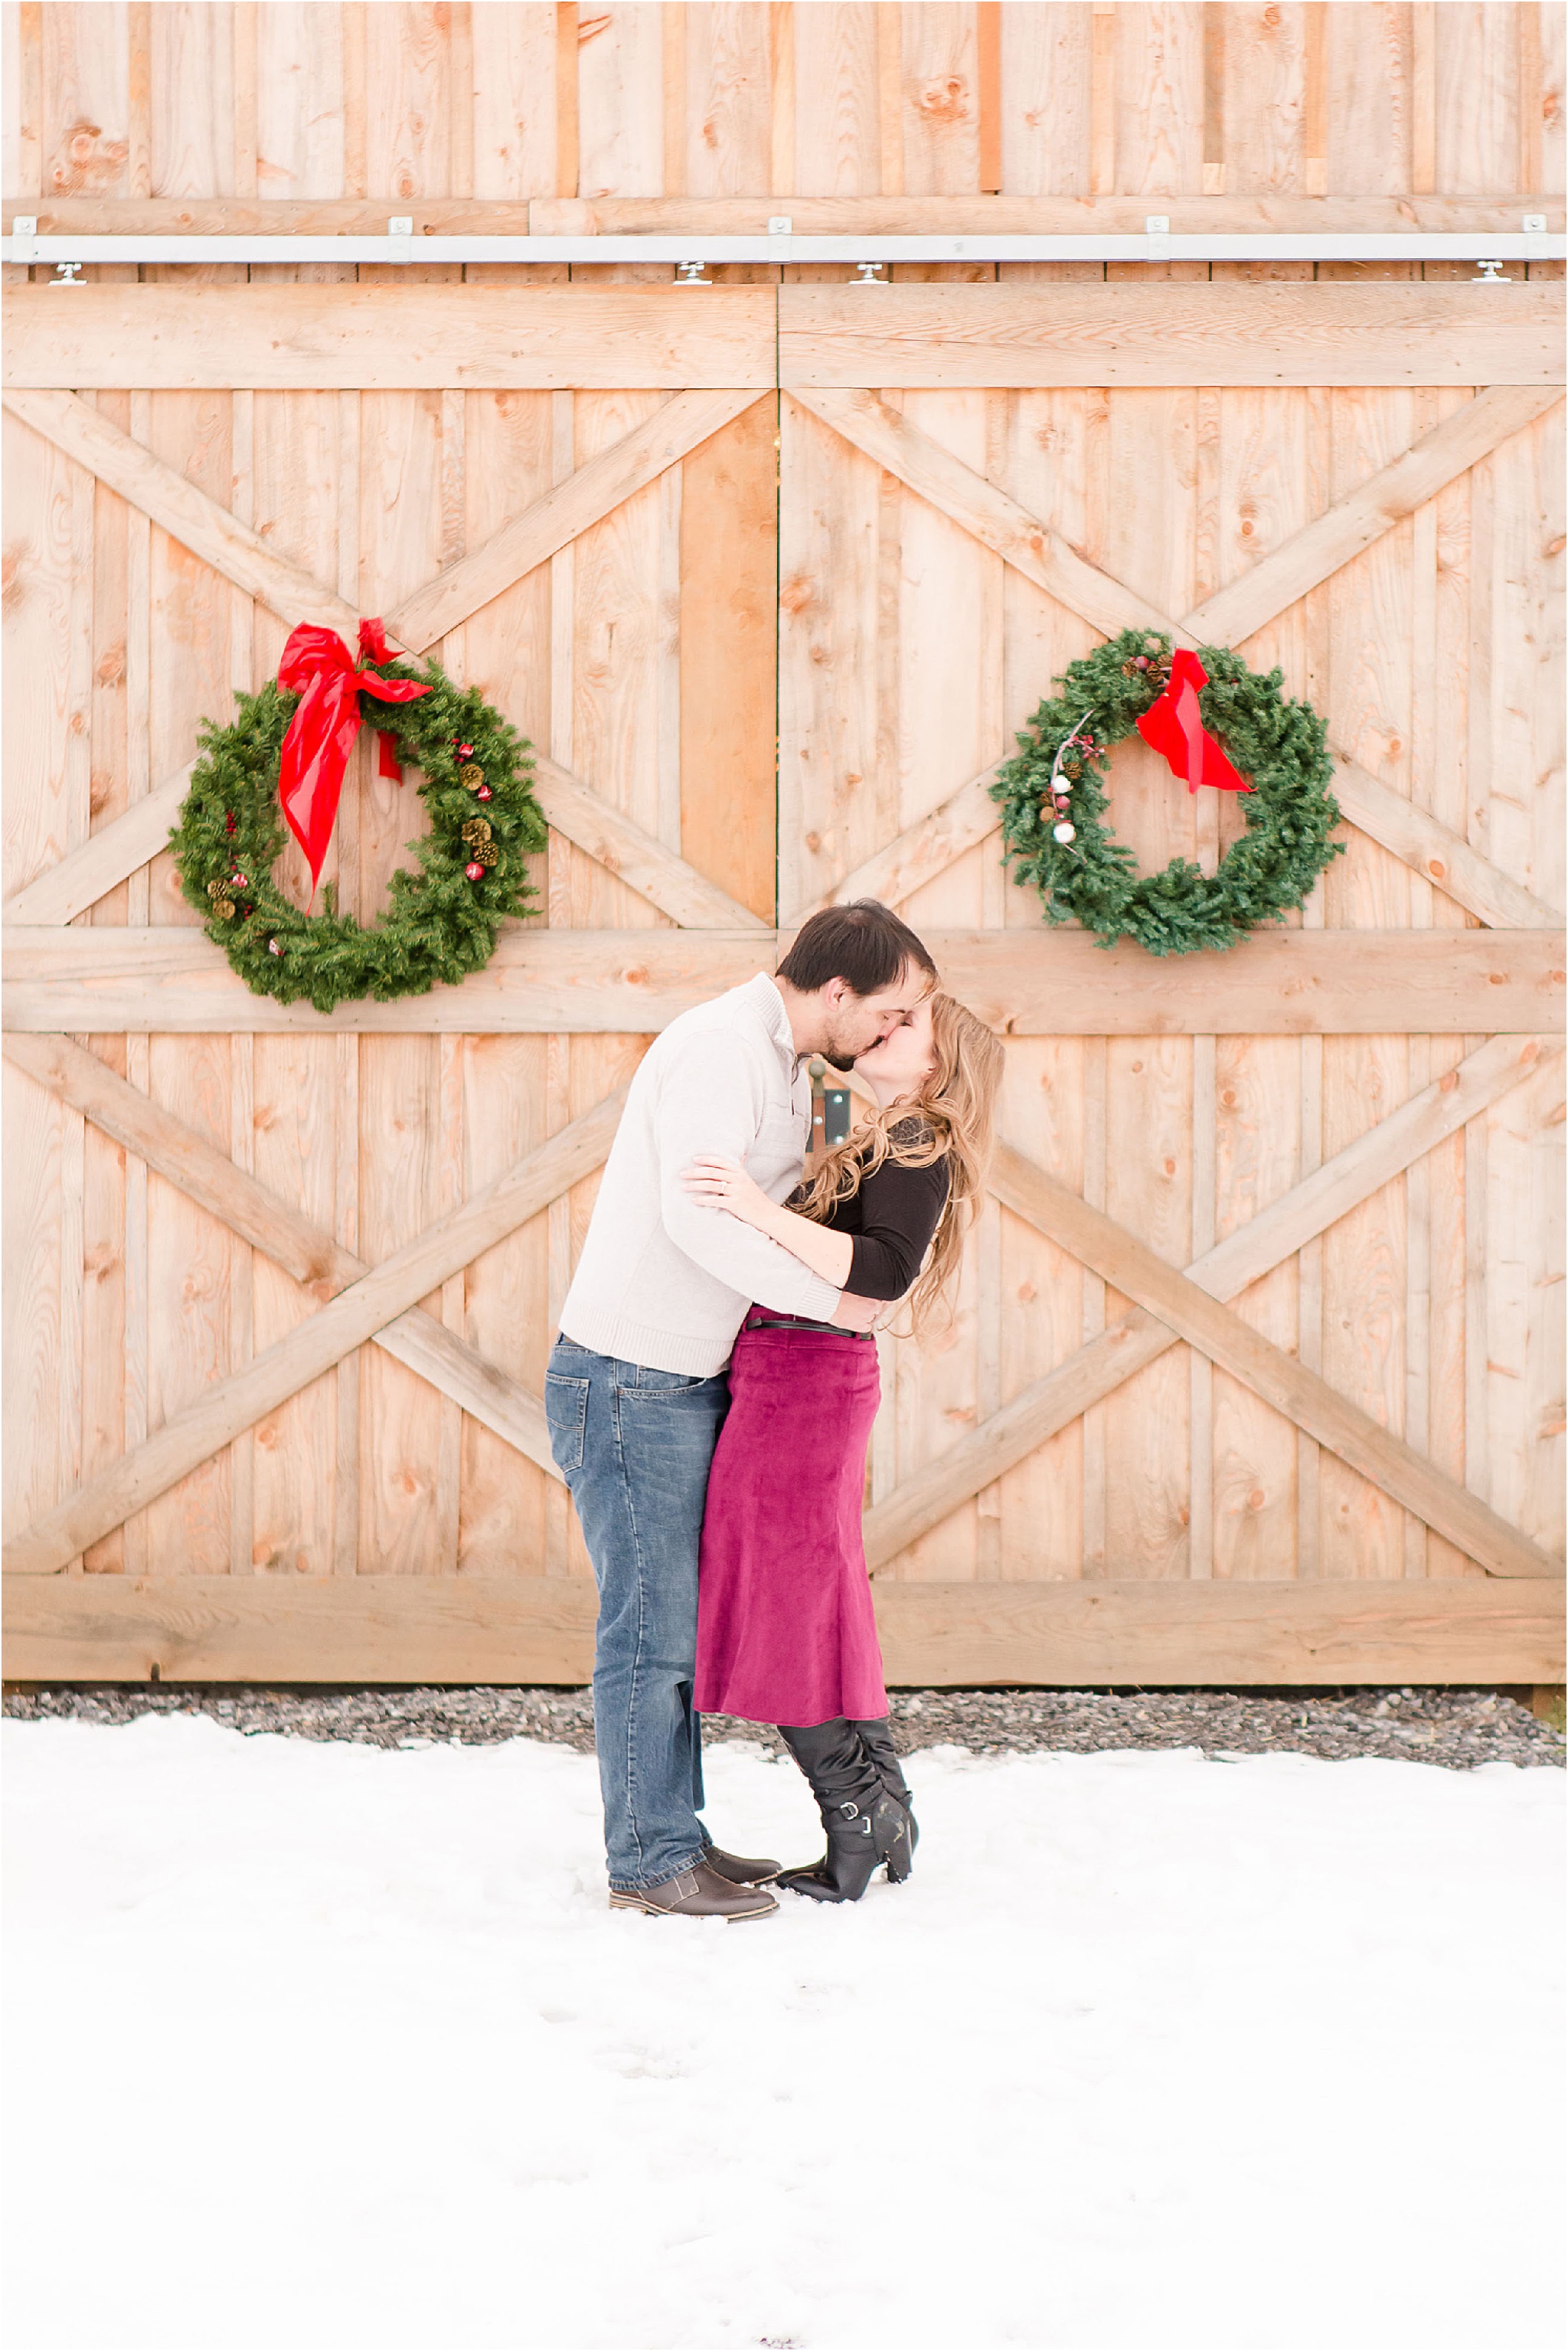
(635, 1392)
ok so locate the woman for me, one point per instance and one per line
(785, 1632)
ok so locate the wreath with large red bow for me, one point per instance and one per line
(1054, 807)
(281, 764)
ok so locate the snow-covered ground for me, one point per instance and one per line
(318, 2045)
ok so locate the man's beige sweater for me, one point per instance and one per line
(664, 1279)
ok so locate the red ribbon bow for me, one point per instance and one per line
(318, 665)
(1172, 724)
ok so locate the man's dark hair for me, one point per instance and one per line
(863, 944)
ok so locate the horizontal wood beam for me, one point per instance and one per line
(1081, 1635)
(1027, 544)
(538, 982)
(1094, 1371)
(309, 1255)
(1105, 335)
(877, 215)
(587, 495)
(283, 338)
(393, 1287)
(1277, 983)
(1304, 1397)
(537, 1628)
(1025, 982)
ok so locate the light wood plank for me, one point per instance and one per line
(181, 507)
(1124, 1261)
(1230, 615)
(393, 1288)
(845, 213)
(987, 512)
(84, 876)
(1278, 982)
(723, 702)
(1277, 1232)
(539, 1629)
(274, 338)
(1428, 847)
(829, 338)
(1051, 983)
(622, 846)
(564, 512)
(916, 855)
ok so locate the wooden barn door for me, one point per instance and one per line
(283, 1285)
(1255, 1371)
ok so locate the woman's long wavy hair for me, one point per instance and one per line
(952, 1117)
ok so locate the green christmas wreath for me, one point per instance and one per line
(1053, 799)
(440, 924)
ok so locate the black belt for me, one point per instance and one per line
(759, 1319)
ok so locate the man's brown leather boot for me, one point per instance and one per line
(738, 1869)
(695, 1893)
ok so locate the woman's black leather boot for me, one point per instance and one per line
(865, 1827)
(876, 1738)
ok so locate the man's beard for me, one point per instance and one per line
(839, 1060)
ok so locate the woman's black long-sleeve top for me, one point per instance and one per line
(890, 1221)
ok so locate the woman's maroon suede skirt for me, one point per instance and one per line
(785, 1627)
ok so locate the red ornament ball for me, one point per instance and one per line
(475, 872)
(485, 793)
(1140, 661)
(466, 750)
(229, 825)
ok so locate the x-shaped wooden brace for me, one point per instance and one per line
(381, 1305)
(970, 815)
(669, 882)
(1188, 1311)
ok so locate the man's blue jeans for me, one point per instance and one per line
(634, 1446)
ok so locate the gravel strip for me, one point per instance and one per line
(1458, 1729)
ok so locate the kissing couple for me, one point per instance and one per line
(712, 1390)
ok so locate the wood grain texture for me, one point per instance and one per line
(302, 1248)
(943, 478)
(1278, 982)
(1229, 616)
(1053, 1400)
(1151, 335)
(1058, 983)
(834, 45)
(190, 1436)
(478, 1629)
(562, 513)
(726, 693)
(1134, 1270)
(391, 337)
(1095, 590)
(180, 506)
